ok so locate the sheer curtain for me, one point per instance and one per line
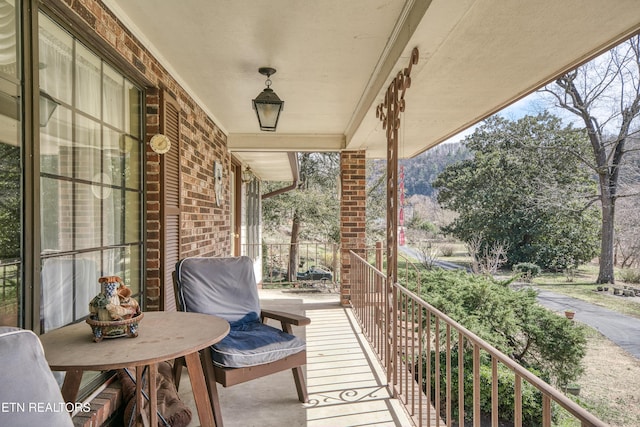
(64, 302)
(57, 274)
(87, 81)
(70, 147)
(8, 63)
(112, 97)
(90, 167)
(56, 61)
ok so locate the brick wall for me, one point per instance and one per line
(353, 204)
(205, 226)
(102, 407)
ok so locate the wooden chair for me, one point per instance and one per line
(226, 287)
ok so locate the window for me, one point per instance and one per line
(10, 168)
(253, 219)
(91, 186)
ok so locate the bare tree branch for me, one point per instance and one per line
(604, 94)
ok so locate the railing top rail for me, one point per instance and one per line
(289, 243)
(9, 262)
(359, 258)
(544, 387)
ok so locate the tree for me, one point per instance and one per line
(376, 201)
(421, 170)
(312, 210)
(526, 190)
(604, 95)
(627, 249)
(10, 201)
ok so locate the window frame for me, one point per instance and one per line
(104, 126)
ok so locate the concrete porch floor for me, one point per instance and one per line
(345, 382)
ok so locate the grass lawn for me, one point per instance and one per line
(608, 386)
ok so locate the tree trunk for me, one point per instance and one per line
(605, 274)
(607, 165)
(293, 248)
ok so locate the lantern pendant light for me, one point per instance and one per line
(267, 104)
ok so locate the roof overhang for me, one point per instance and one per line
(335, 59)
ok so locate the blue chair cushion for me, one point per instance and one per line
(254, 343)
(224, 287)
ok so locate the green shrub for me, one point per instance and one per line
(531, 397)
(512, 321)
(418, 223)
(447, 250)
(527, 270)
(630, 275)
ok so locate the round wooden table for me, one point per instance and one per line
(162, 336)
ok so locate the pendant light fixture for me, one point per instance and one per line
(247, 175)
(267, 104)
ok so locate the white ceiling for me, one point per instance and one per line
(335, 59)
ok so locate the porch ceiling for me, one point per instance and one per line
(335, 58)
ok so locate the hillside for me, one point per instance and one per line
(422, 170)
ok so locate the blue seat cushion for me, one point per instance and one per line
(254, 343)
(223, 287)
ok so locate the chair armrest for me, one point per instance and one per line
(292, 319)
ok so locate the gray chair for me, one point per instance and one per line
(29, 393)
(226, 287)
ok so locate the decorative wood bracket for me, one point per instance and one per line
(389, 110)
(389, 113)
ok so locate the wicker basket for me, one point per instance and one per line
(115, 328)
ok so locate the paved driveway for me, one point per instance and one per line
(622, 330)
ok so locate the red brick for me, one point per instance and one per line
(352, 213)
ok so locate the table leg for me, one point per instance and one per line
(210, 375)
(71, 385)
(153, 395)
(199, 389)
(139, 412)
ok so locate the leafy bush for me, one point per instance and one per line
(630, 275)
(531, 397)
(418, 223)
(547, 344)
(512, 321)
(527, 270)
